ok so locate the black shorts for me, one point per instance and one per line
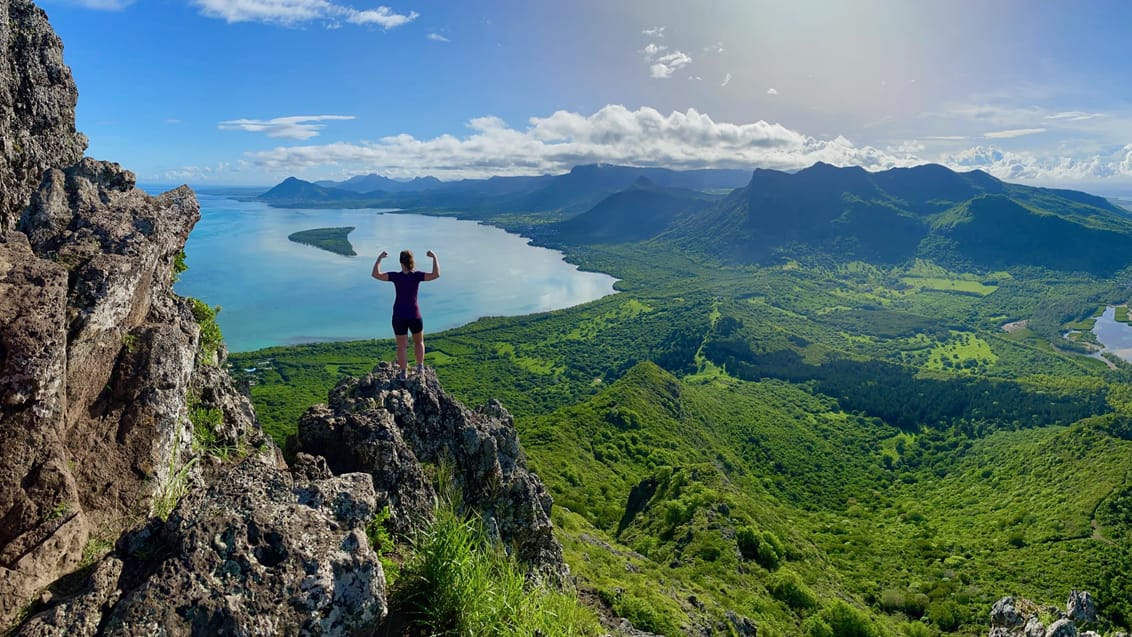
(402, 327)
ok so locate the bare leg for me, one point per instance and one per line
(418, 347)
(402, 351)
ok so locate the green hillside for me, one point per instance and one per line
(826, 446)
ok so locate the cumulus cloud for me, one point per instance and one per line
(772, 91)
(383, 17)
(296, 127)
(437, 37)
(655, 32)
(1013, 132)
(726, 80)
(646, 137)
(663, 63)
(714, 48)
(614, 134)
(1032, 166)
(296, 12)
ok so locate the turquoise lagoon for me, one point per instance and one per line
(273, 291)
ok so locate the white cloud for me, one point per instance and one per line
(296, 12)
(909, 148)
(726, 80)
(1032, 166)
(172, 120)
(714, 48)
(297, 127)
(946, 138)
(437, 37)
(772, 91)
(556, 143)
(646, 137)
(383, 17)
(662, 62)
(100, 5)
(655, 32)
(1074, 116)
(696, 78)
(1013, 132)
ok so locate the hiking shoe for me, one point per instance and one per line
(420, 370)
(403, 374)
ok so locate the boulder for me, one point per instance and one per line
(1063, 627)
(1080, 607)
(1004, 614)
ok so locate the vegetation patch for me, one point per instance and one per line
(330, 239)
(456, 582)
(961, 286)
(210, 337)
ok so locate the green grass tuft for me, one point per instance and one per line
(458, 583)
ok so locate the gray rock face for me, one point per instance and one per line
(1080, 607)
(742, 626)
(1062, 628)
(1004, 614)
(1034, 627)
(37, 106)
(387, 427)
(258, 552)
(96, 356)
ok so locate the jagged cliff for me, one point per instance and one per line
(112, 411)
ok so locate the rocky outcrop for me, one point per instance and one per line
(258, 552)
(1010, 617)
(388, 427)
(96, 358)
(37, 106)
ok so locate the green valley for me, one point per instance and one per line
(817, 437)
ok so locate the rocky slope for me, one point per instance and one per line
(120, 428)
(1012, 617)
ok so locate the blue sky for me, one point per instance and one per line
(252, 91)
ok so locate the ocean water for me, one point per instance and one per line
(273, 291)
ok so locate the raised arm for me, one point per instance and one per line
(377, 273)
(435, 274)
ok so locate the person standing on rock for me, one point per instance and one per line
(406, 312)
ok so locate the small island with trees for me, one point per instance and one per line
(330, 239)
